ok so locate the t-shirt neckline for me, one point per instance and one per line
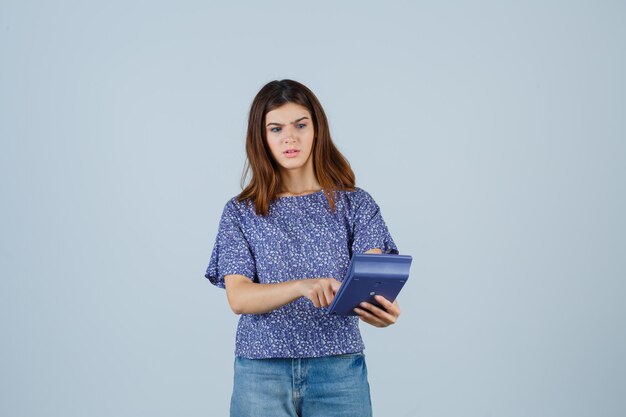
(300, 196)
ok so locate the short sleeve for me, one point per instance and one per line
(370, 230)
(231, 251)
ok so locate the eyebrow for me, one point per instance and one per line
(280, 124)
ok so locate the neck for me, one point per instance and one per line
(299, 182)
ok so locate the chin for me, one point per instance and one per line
(292, 166)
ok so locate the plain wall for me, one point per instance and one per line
(492, 134)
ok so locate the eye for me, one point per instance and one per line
(302, 124)
(275, 131)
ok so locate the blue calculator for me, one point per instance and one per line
(371, 274)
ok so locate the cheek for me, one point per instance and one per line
(311, 143)
(273, 146)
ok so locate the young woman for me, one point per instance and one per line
(282, 248)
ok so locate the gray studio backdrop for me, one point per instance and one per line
(492, 134)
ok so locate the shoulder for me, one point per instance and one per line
(358, 201)
(235, 208)
(359, 196)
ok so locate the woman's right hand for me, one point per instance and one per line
(321, 291)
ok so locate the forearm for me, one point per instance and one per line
(254, 298)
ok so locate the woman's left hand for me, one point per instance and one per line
(376, 316)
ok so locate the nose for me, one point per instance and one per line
(290, 135)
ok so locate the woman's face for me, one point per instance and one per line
(287, 127)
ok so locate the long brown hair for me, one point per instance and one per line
(330, 167)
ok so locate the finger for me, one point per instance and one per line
(321, 300)
(370, 318)
(314, 299)
(380, 313)
(383, 301)
(391, 308)
(328, 293)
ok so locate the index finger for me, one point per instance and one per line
(389, 306)
(329, 294)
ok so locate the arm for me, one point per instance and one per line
(247, 297)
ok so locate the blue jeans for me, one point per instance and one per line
(334, 386)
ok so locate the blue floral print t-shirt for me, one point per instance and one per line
(299, 238)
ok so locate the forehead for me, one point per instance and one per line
(287, 113)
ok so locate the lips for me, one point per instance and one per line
(290, 153)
